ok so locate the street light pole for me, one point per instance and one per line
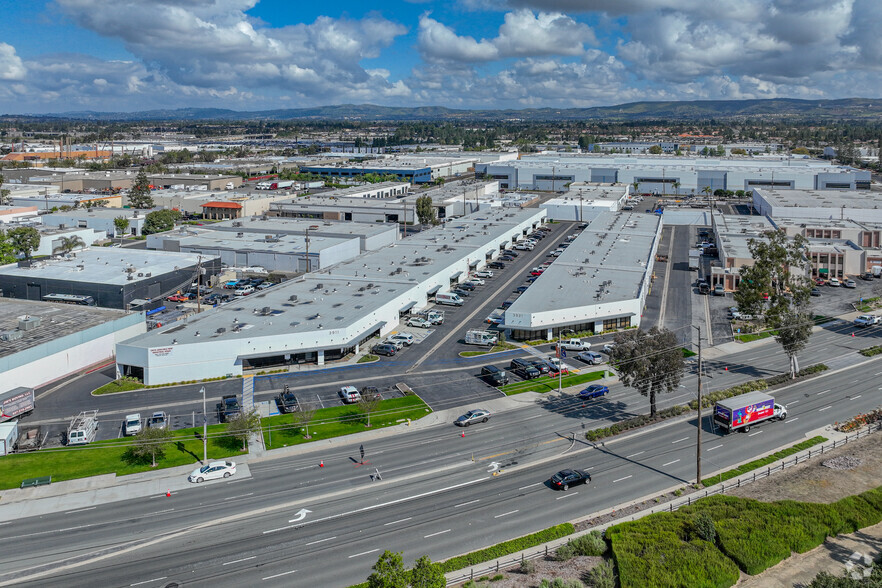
(698, 435)
(204, 430)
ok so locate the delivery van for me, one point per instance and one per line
(448, 298)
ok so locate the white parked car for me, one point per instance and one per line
(350, 394)
(590, 357)
(866, 320)
(405, 338)
(524, 247)
(244, 291)
(420, 322)
(397, 344)
(483, 274)
(834, 282)
(133, 424)
(212, 471)
(609, 348)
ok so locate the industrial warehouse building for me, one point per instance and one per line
(328, 314)
(599, 283)
(113, 277)
(41, 342)
(818, 204)
(99, 219)
(584, 202)
(416, 170)
(673, 175)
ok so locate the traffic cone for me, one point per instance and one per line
(852, 334)
(322, 463)
(463, 434)
(726, 368)
(168, 493)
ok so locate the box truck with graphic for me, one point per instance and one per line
(16, 403)
(477, 337)
(740, 413)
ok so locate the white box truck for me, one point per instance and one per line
(8, 437)
(16, 403)
(741, 412)
(476, 337)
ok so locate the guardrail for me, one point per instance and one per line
(721, 488)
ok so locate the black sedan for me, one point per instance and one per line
(563, 479)
(461, 292)
(287, 402)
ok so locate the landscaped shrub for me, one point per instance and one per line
(591, 544)
(764, 461)
(633, 423)
(704, 527)
(603, 575)
(565, 553)
(754, 386)
(507, 547)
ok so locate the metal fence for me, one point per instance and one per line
(544, 550)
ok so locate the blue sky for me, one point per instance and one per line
(127, 55)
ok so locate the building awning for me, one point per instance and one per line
(456, 276)
(490, 252)
(591, 319)
(407, 306)
(222, 205)
(433, 291)
(823, 270)
(343, 345)
(475, 263)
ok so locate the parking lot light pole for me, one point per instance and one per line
(204, 430)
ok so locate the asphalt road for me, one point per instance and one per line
(438, 494)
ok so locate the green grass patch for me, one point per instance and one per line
(764, 461)
(635, 422)
(547, 384)
(472, 353)
(112, 457)
(121, 385)
(495, 349)
(688, 353)
(755, 386)
(507, 547)
(336, 421)
(748, 337)
(367, 358)
(871, 351)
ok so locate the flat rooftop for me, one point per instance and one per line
(831, 223)
(106, 265)
(732, 224)
(606, 263)
(820, 198)
(281, 244)
(681, 163)
(100, 213)
(57, 320)
(283, 225)
(357, 191)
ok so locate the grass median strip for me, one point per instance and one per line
(762, 462)
(547, 384)
(336, 421)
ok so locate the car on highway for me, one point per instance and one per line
(405, 338)
(484, 274)
(590, 357)
(564, 479)
(386, 349)
(416, 321)
(834, 282)
(478, 415)
(866, 320)
(350, 394)
(213, 471)
(594, 391)
(158, 420)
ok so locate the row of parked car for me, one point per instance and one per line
(134, 424)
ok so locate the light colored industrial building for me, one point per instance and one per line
(370, 236)
(41, 342)
(217, 204)
(584, 202)
(99, 219)
(328, 314)
(18, 215)
(599, 283)
(819, 204)
(413, 169)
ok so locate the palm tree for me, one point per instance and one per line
(707, 192)
(676, 186)
(68, 244)
(636, 185)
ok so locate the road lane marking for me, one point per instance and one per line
(433, 534)
(148, 581)
(81, 510)
(278, 575)
(567, 494)
(678, 440)
(162, 511)
(856, 397)
(363, 553)
(792, 402)
(825, 408)
(752, 434)
(634, 454)
(235, 561)
(321, 540)
(398, 521)
(793, 419)
(856, 381)
(465, 503)
(531, 485)
(825, 391)
(670, 462)
(234, 497)
(505, 514)
(620, 479)
(714, 447)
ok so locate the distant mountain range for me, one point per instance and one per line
(848, 108)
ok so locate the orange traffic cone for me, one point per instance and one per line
(463, 434)
(322, 463)
(168, 492)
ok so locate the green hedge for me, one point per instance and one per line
(633, 423)
(764, 461)
(665, 549)
(507, 548)
(754, 386)
(871, 351)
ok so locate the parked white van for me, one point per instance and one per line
(448, 298)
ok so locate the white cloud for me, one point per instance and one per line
(11, 66)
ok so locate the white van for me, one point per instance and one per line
(448, 298)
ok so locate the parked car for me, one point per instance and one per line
(398, 345)
(266, 285)
(178, 298)
(213, 470)
(477, 281)
(132, 424)
(506, 257)
(527, 372)
(467, 286)
(483, 274)
(244, 291)
(494, 375)
(609, 348)
(461, 293)
(834, 282)
(849, 284)
(371, 392)
(540, 365)
(590, 357)
(563, 479)
(867, 276)
(405, 338)
(158, 420)
(521, 289)
(594, 391)
(496, 265)
(286, 401)
(819, 282)
(719, 290)
(505, 304)
(416, 321)
(478, 415)
(350, 394)
(386, 349)
(866, 320)
(511, 253)
(816, 291)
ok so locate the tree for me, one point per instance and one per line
(24, 240)
(655, 150)
(303, 417)
(139, 195)
(7, 251)
(369, 402)
(243, 425)
(388, 572)
(649, 361)
(121, 224)
(636, 185)
(160, 220)
(4, 194)
(152, 442)
(780, 272)
(676, 186)
(68, 244)
(426, 574)
(425, 211)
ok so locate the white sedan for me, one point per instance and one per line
(477, 281)
(215, 469)
(416, 321)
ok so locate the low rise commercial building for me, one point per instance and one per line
(818, 204)
(584, 202)
(99, 219)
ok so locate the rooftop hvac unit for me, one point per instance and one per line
(28, 322)
(11, 335)
(130, 277)
(221, 330)
(148, 274)
(140, 274)
(240, 235)
(266, 310)
(292, 298)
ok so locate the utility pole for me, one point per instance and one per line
(199, 286)
(204, 430)
(698, 428)
(580, 205)
(306, 235)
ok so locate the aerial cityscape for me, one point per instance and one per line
(481, 293)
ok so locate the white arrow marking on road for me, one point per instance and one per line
(493, 467)
(301, 514)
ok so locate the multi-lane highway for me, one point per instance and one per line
(438, 494)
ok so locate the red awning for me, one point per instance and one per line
(221, 205)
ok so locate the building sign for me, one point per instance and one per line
(161, 351)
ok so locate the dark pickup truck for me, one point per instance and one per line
(227, 408)
(286, 401)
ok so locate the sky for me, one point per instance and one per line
(132, 55)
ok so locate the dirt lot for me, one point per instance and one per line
(809, 482)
